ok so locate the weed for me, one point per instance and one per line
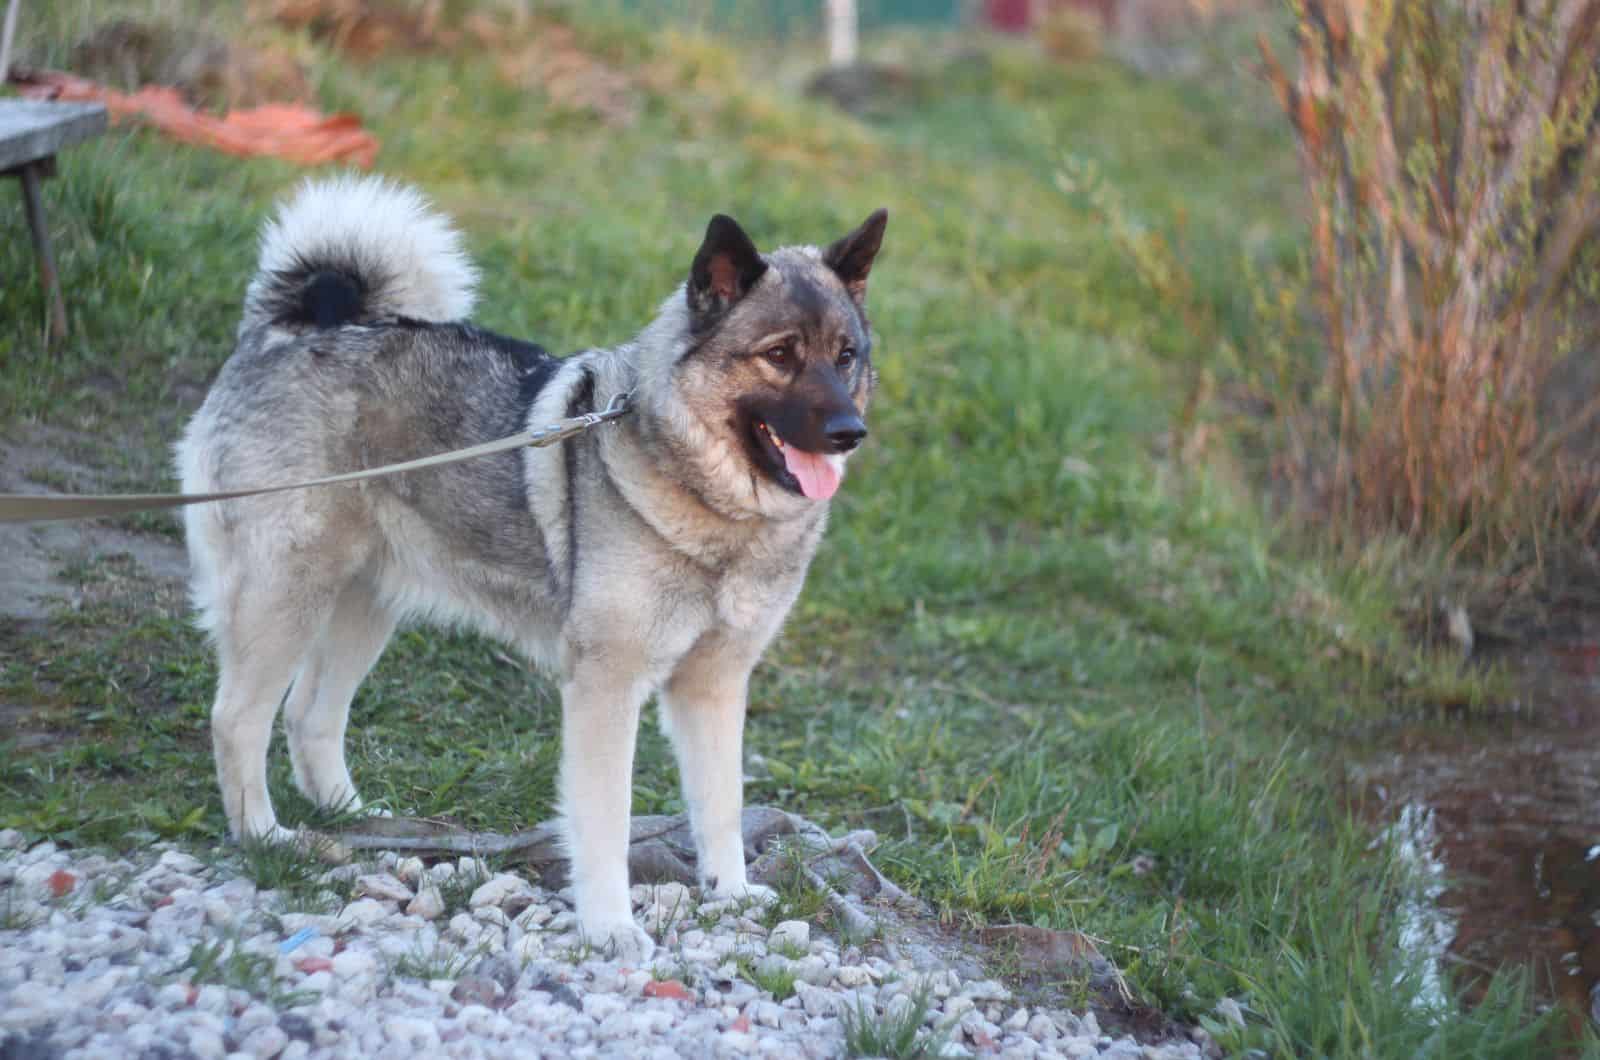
(297, 871)
(776, 979)
(438, 961)
(850, 934)
(580, 950)
(798, 897)
(456, 889)
(225, 962)
(678, 968)
(897, 1033)
(13, 916)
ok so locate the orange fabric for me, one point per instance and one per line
(283, 130)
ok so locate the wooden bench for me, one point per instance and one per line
(31, 132)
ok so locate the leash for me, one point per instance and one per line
(46, 507)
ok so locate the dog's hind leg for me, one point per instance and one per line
(265, 636)
(318, 706)
(703, 708)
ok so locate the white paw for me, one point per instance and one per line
(624, 942)
(271, 835)
(749, 893)
(303, 841)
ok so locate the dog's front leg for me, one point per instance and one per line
(599, 721)
(703, 706)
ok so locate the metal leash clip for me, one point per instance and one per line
(578, 424)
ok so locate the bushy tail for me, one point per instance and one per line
(358, 248)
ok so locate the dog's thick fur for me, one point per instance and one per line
(658, 554)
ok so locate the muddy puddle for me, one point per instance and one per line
(1502, 817)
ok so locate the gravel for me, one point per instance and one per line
(161, 956)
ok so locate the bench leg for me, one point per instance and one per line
(41, 246)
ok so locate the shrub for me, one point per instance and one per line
(1451, 164)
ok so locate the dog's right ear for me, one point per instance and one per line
(724, 270)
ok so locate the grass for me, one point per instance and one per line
(896, 1033)
(1034, 652)
(297, 874)
(440, 961)
(777, 980)
(456, 889)
(224, 962)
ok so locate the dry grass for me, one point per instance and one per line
(1452, 171)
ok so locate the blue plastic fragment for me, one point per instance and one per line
(298, 939)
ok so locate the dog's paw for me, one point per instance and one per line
(302, 841)
(274, 835)
(748, 893)
(624, 942)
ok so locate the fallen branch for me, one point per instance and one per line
(661, 849)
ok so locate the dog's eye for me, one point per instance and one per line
(782, 356)
(847, 357)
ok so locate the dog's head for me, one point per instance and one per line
(776, 369)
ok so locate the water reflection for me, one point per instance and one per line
(1509, 809)
(1427, 926)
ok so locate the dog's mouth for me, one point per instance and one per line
(811, 475)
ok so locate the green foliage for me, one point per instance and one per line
(225, 962)
(897, 1033)
(439, 961)
(776, 979)
(456, 889)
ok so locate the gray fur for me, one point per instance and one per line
(650, 555)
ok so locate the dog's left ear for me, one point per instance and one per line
(724, 270)
(851, 257)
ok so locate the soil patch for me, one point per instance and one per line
(38, 459)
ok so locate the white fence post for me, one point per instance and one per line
(842, 25)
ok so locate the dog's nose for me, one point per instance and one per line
(844, 431)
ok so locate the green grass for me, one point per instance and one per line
(777, 980)
(222, 961)
(896, 1034)
(1032, 651)
(440, 961)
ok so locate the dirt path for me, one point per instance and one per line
(37, 459)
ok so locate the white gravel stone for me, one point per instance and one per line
(382, 886)
(417, 1034)
(791, 933)
(852, 976)
(178, 861)
(366, 912)
(428, 904)
(511, 893)
(410, 870)
(112, 978)
(1043, 1028)
(815, 1000)
(957, 1007)
(263, 1043)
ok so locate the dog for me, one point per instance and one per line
(658, 554)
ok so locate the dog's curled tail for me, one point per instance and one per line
(353, 249)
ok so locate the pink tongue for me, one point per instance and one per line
(818, 477)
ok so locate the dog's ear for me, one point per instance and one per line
(851, 257)
(724, 270)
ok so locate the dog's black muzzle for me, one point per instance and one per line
(816, 413)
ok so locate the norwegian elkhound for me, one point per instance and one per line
(659, 553)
